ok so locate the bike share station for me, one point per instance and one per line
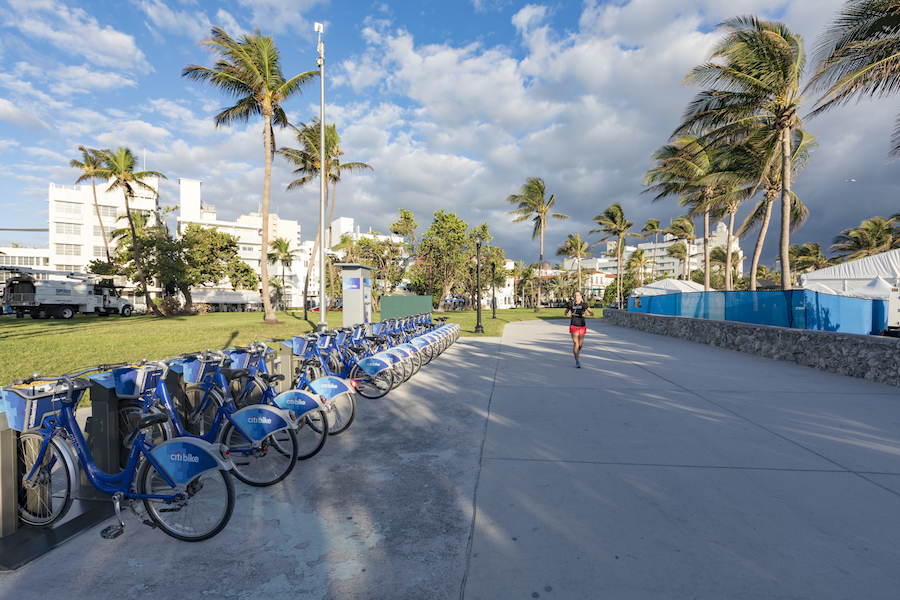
(21, 543)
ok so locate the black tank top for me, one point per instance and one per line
(578, 311)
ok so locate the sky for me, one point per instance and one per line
(453, 104)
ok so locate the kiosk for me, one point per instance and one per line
(357, 285)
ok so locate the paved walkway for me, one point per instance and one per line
(661, 469)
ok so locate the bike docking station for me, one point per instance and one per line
(21, 543)
(356, 282)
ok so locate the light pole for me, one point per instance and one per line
(478, 240)
(494, 290)
(323, 175)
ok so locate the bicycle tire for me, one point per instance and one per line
(203, 513)
(263, 466)
(341, 414)
(129, 413)
(311, 434)
(51, 497)
(201, 423)
(369, 386)
(310, 373)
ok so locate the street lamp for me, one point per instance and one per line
(323, 323)
(494, 289)
(478, 240)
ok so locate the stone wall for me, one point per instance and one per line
(869, 357)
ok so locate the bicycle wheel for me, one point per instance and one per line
(342, 413)
(51, 496)
(308, 373)
(203, 511)
(130, 412)
(201, 409)
(311, 434)
(268, 464)
(371, 386)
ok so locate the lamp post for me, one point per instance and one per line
(478, 240)
(323, 323)
(494, 290)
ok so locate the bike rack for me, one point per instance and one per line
(20, 543)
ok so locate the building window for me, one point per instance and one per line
(68, 229)
(108, 211)
(68, 268)
(98, 252)
(68, 250)
(68, 208)
(99, 233)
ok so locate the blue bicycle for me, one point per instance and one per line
(184, 484)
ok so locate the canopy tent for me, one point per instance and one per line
(857, 273)
(667, 286)
(877, 289)
(821, 288)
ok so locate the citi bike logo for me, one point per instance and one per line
(180, 457)
(296, 401)
(263, 420)
(329, 386)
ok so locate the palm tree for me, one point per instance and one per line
(762, 154)
(682, 228)
(613, 224)
(858, 56)
(90, 164)
(575, 247)
(756, 86)
(652, 228)
(638, 264)
(531, 203)
(118, 168)
(248, 70)
(718, 258)
(873, 236)
(282, 253)
(307, 159)
(809, 257)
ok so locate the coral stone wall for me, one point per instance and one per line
(866, 356)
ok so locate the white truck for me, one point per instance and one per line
(24, 293)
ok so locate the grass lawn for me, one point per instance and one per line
(54, 346)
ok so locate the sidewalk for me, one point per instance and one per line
(660, 469)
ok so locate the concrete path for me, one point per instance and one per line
(661, 469)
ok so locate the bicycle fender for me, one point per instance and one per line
(185, 458)
(299, 401)
(418, 342)
(409, 348)
(260, 421)
(331, 387)
(373, 365)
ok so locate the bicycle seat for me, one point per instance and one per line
(270, 379)
(235, 373)
(151, 419)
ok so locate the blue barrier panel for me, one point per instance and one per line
(879, 316)
(837, 313)
(758, 308)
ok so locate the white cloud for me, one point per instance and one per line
(282, 15)
(81, 79)
(193, 25)
(12, 114)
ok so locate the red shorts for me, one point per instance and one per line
(581, 330)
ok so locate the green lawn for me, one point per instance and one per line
(54, 346)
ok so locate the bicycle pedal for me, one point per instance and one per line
(112, 532)
(149, 523)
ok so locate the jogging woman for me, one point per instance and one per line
(577, 327)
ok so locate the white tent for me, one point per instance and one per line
(821, 288)
(877, 289)
(857, 273)
(667, 286)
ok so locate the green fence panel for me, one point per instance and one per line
(393, 307)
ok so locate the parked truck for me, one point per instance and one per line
(24, 293)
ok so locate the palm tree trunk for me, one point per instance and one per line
(537, 306)
(757, 251)
(729, 283)
(264, 263)
(100, 219)
(619, 270)
(706, 265)
(135, 245)
(785, 208)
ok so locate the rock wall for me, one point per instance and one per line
(869, 357)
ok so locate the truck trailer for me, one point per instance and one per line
(24, 293)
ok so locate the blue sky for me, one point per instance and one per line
(453, 104)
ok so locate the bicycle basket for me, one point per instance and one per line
(300, 344)
(197, 370)
(27, 405)
(133, 382)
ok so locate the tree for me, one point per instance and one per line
(613, 224)
(209, 256)
(809, 257)
(90, 164)
(652, 228)
(442, 255)
(756, 86)
(575, 247)
(387, 266)
(859, 56)
(531, 203)
(682, 228)
(308, 160)
(873, 236)
(118, 168)
(638, 264)
(282, 254)
(248, 70)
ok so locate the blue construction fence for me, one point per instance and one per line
(797, 309)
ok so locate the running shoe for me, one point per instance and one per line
(577, 365)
